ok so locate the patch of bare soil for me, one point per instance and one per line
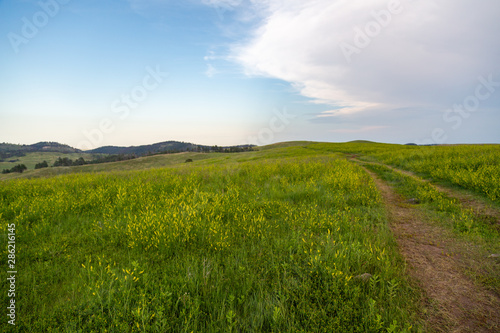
(453, 303)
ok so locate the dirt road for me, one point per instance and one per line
(453, 302)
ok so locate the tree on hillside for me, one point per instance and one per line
(63, 162)
(80, 161)
(19, 168)
(41, 165)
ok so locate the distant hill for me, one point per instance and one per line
(53, 147)
(164, 147)
(361, 141)
(145, 149)
(8, 150)
(43, 146)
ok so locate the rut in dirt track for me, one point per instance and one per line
(453, 302)
(466, 200)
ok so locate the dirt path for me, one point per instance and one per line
(482, 209)
(453, 303)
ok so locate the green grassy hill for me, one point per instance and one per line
(291, 237)
(31, 159)
(264, 241)
(156, 161)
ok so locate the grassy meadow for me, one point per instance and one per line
(275, 240)
(31, 159)
(471, 167)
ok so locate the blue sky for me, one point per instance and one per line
(93, 73)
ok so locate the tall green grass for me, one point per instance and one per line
(256, 246)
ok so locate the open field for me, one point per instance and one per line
(470, 167)
(31, 159)
(141, 163)
(294, 237)
(473, 167)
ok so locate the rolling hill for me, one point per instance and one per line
(161, 147)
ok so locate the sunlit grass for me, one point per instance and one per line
(256, 245)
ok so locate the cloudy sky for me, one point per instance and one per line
(127, 72)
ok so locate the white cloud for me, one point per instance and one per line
(429, 53)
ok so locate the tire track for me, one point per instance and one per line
(453, 303)
(466, 200)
